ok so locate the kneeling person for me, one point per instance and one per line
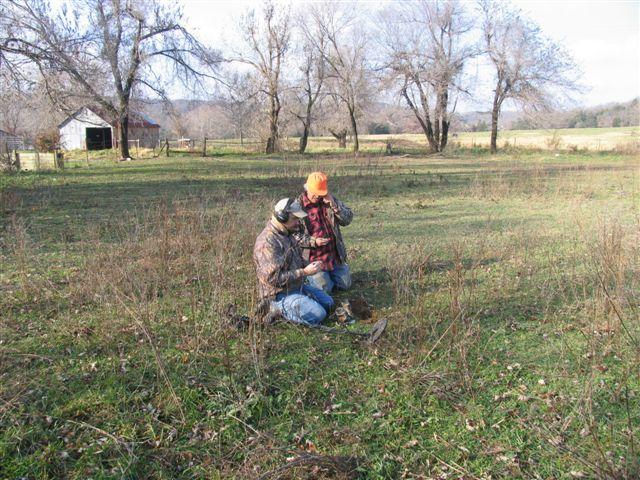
(281, 268)
(322, 236)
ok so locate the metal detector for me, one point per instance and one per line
(241, 322)
(369, 337)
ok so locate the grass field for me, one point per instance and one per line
(623, 140)
(511, 284)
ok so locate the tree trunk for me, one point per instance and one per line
(425, 123)
(428, 131)
(123, 126)
(444, 135)
(304, 138)
(436, 133)
(354, 130)
(341, 136)
(495, 111)
(272, 141)
(444, 123)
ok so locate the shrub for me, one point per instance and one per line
(554, 141)
(379, 129)
(47, 141)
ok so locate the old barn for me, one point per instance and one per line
(89, 128)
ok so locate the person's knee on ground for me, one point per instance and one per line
(341, 277)
(322, 281)
(314, 314)
(324, 299)
(308, 310)
(343, 282)
(320, 296)
(299, 308)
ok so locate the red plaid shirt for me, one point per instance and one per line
(319, 227)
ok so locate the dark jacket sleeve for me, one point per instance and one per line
(343, 214)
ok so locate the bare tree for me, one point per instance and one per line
(14, 107)
(312, 70)
(426, 43)
(334, 118)
(241, 103)
(176, 121)
(348, 74)
(267, 41)
(529, 68)
(102, 51)
(25, 110)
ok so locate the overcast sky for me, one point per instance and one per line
(602, 35)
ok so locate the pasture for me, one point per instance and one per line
(511, 285)
(621, 139)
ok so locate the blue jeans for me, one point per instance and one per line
(339, 277)
(310, 305)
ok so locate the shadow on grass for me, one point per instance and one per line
(83, 198)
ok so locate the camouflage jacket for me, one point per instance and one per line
(339, 216)
(279, 262)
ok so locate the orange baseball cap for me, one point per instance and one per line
(317, 184)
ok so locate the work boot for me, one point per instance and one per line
(272, 316)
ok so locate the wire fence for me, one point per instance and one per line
(206, 146)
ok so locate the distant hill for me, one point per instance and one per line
(625, 114)
(610, 115)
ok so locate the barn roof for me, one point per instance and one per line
(136, 119)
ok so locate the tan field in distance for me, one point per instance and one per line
(562, 139)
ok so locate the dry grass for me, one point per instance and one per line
(511, 287)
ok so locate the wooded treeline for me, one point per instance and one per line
(301, 68)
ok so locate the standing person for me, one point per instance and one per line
(321, 234)
(281, 268)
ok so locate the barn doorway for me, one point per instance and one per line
(99, 138)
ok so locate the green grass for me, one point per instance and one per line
(510, 283)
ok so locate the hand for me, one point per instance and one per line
(312, 268)
(329, 200)
(320, 241)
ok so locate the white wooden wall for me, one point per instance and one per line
(73, 133)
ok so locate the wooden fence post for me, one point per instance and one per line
(58, 161)
(17, 164)
(204, 147)
(37, 160)
(166, 145)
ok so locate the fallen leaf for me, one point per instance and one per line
(556, 441)
(309, 446)
(471, 425)
(494, 450)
